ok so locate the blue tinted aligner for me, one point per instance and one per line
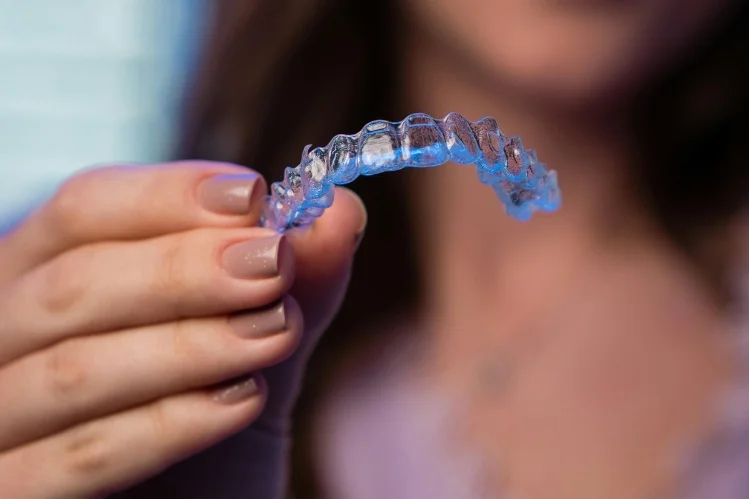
(522, 183)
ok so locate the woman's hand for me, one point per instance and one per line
(136, 309)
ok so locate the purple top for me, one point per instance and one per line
(383, 435)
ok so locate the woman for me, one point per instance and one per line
(582, 355)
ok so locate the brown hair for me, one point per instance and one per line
(279, 74)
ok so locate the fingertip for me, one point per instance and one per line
(361, 209)
(357, 211)
(356, 215)
(359, 234)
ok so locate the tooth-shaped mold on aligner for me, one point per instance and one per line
(342, 159)
(521, 182)
(292, 180)
(519, 203)
(550, 197)
(524, 197)
(460, 139)
(491, 144)
(314, 172)
(379, 149)
(489, 178)
(325, 200)
(516, 159)
(278, 209)
(422, 142)
(535, 168)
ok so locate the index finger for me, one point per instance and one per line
(133, 202)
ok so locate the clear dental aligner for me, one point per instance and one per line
(521, 182)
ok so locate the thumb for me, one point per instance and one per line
(324, 254)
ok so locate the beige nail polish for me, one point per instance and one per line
(254, 259)
(260, 323)
(237, 390)
(231, 194)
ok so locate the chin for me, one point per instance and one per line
(595, 78)
(575, 51)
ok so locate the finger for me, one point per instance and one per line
(133, 202)
(100, 457)
(87, 378)
(324, 254)
(113, 286)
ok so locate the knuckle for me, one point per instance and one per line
(188, 349)
(159, 423)
(87, 451)
(64, 374)
(64, 209)
(59, 288)
(171, 273)
(181, 279)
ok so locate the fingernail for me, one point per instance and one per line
(231, 194)
(260, 323)
(236, 390)
(256, 258)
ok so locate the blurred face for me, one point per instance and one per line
(571, 49)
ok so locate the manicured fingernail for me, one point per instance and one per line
(260, 323)
(255, 259)
(231, 194)
(236, 390)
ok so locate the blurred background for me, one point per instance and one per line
(82, 81)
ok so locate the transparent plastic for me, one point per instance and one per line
(522, 183)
